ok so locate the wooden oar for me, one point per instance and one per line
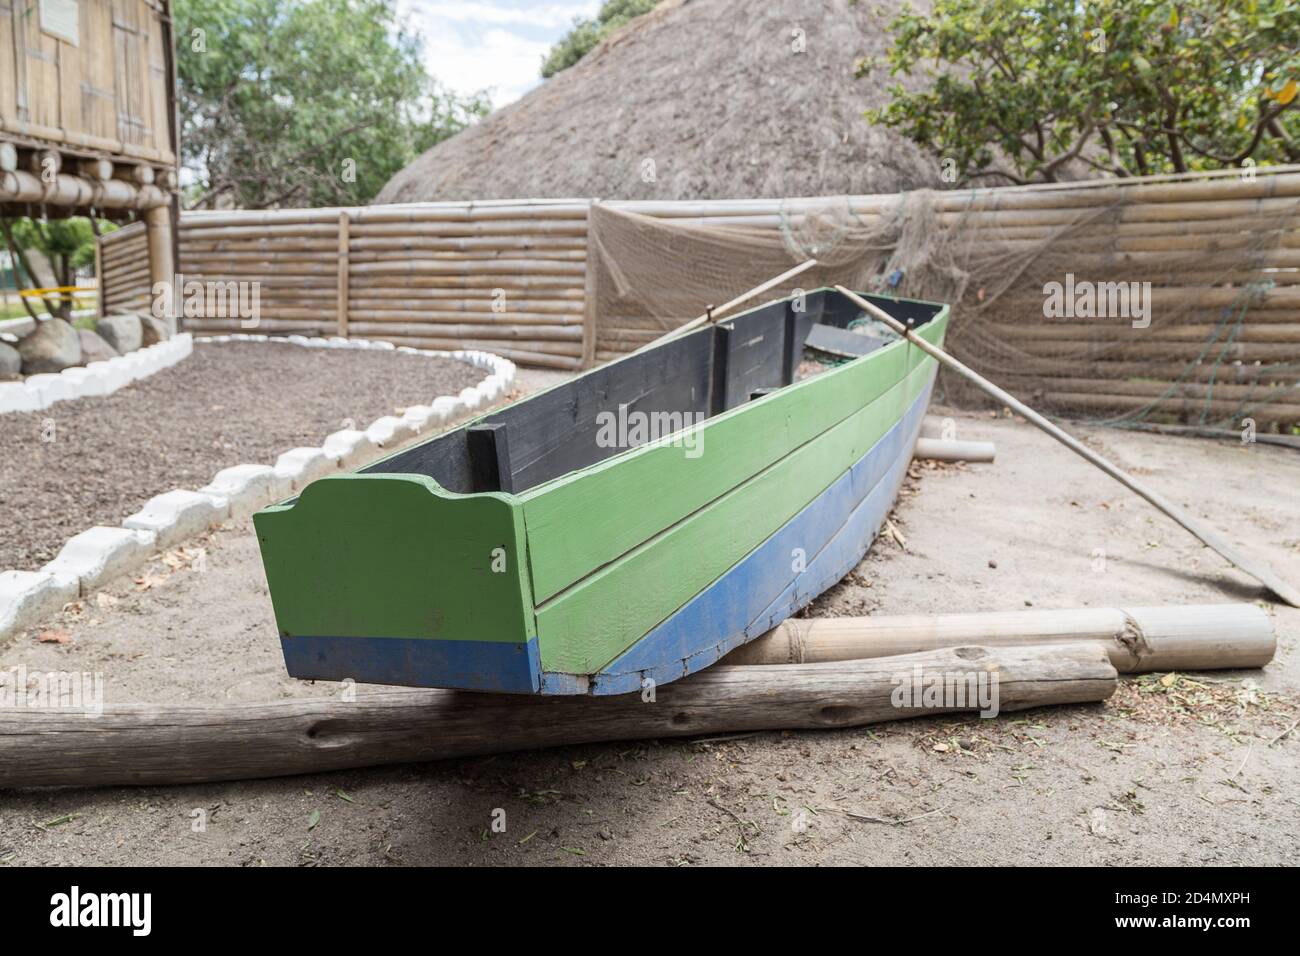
(1209, 536)
(713, 313)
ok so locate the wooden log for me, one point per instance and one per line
(472, 266)
(95, 168)
(343, 267)
(439, 316)
(148, 745)
(162, 266)
(1285, 392)
(939, 449)
(1138, 639)
(1261, 411)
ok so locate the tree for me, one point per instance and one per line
(580, 40)
(67, 244)
(1022, 89)
(303, 102)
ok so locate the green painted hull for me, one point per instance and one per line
(388, 576)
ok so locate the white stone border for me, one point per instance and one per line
(38, 392)
(89, 560)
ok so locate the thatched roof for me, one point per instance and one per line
(713, 93)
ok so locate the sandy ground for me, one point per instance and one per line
(1184, 770)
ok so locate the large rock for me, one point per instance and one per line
(154, 330)
(94, 348)
(53, 347)
(124, 331)
(11, 363)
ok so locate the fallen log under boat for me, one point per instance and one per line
(147, 744)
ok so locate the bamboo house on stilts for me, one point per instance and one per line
(88, 120)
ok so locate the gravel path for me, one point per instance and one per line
(227, 404)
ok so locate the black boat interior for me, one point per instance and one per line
(700, 374)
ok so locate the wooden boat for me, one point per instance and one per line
(534, 551)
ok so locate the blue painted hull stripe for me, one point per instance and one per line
(504, 666)
(834, 532)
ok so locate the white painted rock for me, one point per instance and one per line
(53, 388)
(447, 409)
(18, 397)
(113, 374)
(28, 597)
(388, 431)
(471, 398)
(302, 466)
(98, 555)
(176, 515)
(248, 488)
(349, 447)
(418, 417)
(89, 381)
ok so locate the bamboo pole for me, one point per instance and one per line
(1261, 572)
(1138, 640)
(940, 449)
(137, 744)
(162, 266)
(343, 266)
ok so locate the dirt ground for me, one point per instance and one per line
(1197, 769)
(96, 460)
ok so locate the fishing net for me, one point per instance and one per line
(1098, 303)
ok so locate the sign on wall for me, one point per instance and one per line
(59, 18)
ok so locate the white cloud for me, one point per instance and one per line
(544, 15)
(498, 60)
(498, 45)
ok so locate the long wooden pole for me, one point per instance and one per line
(1138, 639)
(712, 314)
(144, 744)
(344, 268)
(1210, 537)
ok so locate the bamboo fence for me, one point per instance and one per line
(512, 277)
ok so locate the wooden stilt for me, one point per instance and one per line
(162, 266)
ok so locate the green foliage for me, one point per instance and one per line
(1127, 87)
(67, 244)
(303, 102)
(579, 41)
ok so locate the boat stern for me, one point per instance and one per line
(369, 577)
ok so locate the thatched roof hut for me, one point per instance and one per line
(713, 93)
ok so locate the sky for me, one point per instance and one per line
(496, 45)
